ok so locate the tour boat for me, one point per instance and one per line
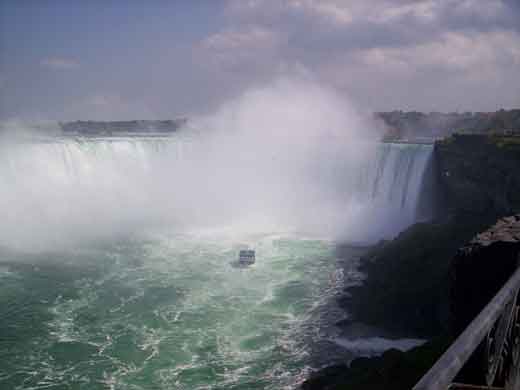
(246, 257)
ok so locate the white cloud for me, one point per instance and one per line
(252, 37)
(377, 49)
(249, 46)
(342, 13)
(452, 51)
(375, 11)
(59, 63)
(104, 100)
(337, 12)
(483, 8)
(423, 11)
(107, 106)
(457, 71)
(428, 11)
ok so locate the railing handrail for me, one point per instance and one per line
(441, 375)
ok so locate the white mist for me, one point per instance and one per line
(291, 156)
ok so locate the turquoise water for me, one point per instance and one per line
(166, 311)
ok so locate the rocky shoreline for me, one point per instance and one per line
(410, 289)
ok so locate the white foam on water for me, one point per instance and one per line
(246, 324)
(5, 272)
(372, 346)
(286, 169)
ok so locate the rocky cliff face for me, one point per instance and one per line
(480, 174)
(477, 182)
(437, 265)
(478, 272)
(407, 288)
(482, 267)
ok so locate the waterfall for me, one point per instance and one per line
(389, 187)
(70, 189)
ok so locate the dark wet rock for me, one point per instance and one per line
(480, 174)
(407, 285)
(352, 330)
(474, 275)
(435, 277)
(393, 370)
(506, 230)
(479, 270)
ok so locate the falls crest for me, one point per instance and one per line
(70, 190)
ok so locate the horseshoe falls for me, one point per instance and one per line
(115, 256)
(65, 191)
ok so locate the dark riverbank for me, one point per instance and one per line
(413, 295)
(409, 284)
(393, 370)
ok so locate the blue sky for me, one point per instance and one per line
(160, 59)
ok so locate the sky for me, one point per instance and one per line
(158, 59)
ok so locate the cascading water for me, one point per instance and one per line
(73, 189)
(115, 252)
(388, 189)
(144, 296)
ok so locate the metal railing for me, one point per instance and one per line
(498, 326)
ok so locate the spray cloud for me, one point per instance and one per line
(286, 156)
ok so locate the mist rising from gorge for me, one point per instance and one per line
(289, 156)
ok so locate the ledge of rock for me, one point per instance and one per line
(478, 270)
(481, 268)
(479, 174)
(506, 230)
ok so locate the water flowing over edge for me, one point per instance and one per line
(79, 189)
(193, 207)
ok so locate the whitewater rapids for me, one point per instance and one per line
(115, 261)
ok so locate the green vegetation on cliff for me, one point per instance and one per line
(107, 128)
(413, 124)
(480, 174)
